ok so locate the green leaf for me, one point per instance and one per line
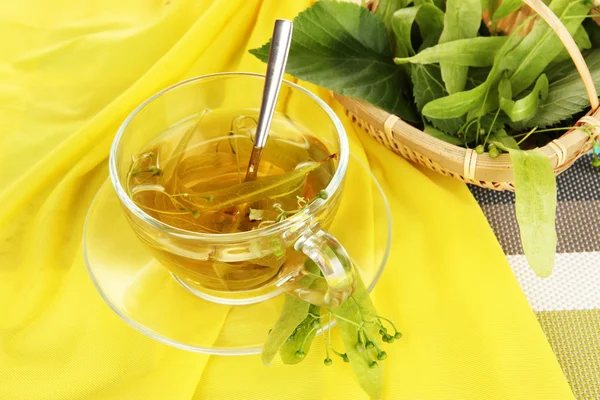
(458, 104)
(370, 379)
(461, 21)
(474, 52)
(385, 11)
(428, 86)
(343, 47)
(402, 23)
(593, 30)
(301, 338)
(294, 311)
(429, 19)
(502, 137)
(526, 61)
(492, 120)
(506, 8)
(488, 122)
(535, 188)
(582, 40)
(533, 54)
(521, 59)
(387, 8)
(490, 6)
(477, 76)
(566, 93)
(527, 106)
(441, 4)
(436, 133)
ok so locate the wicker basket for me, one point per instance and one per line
(465, 164)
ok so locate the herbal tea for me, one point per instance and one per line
(192, 178)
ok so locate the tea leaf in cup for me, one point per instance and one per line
(236, 276)
(272, 260)
(287, 145)
(256, 215)
(178, 153)
(270, 187)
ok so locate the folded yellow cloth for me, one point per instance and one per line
(70, 72)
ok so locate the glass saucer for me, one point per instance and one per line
(150, 299)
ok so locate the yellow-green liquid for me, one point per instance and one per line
(192, 177)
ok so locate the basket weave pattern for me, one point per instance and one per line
(465, 164)
(403, 150)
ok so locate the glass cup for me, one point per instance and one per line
(293, 242)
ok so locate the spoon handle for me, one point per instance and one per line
(280, 46)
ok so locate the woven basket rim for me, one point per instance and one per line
(561, 152)
(565, 141)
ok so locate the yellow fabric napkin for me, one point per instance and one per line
(70, 72)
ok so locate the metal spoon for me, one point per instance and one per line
(280, 46)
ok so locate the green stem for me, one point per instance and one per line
(285, 214)
(466, 130)
(587, 130)
(501, 146)
(348, 321)
(581, 16)
(315, 316)
(526, 136)
(385, 319)
(487, 137)
(358, 308)
(558, 129)
(207, 198)
(337, 353)
(307, 336)
(328, 342)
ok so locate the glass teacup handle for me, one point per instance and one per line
(335, 265)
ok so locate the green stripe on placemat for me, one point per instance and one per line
(575, 338)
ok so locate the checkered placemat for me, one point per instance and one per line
(567, 304)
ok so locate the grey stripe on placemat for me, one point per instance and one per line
(577, 226)
(491, 197)
(580, 182)
(582, 178)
